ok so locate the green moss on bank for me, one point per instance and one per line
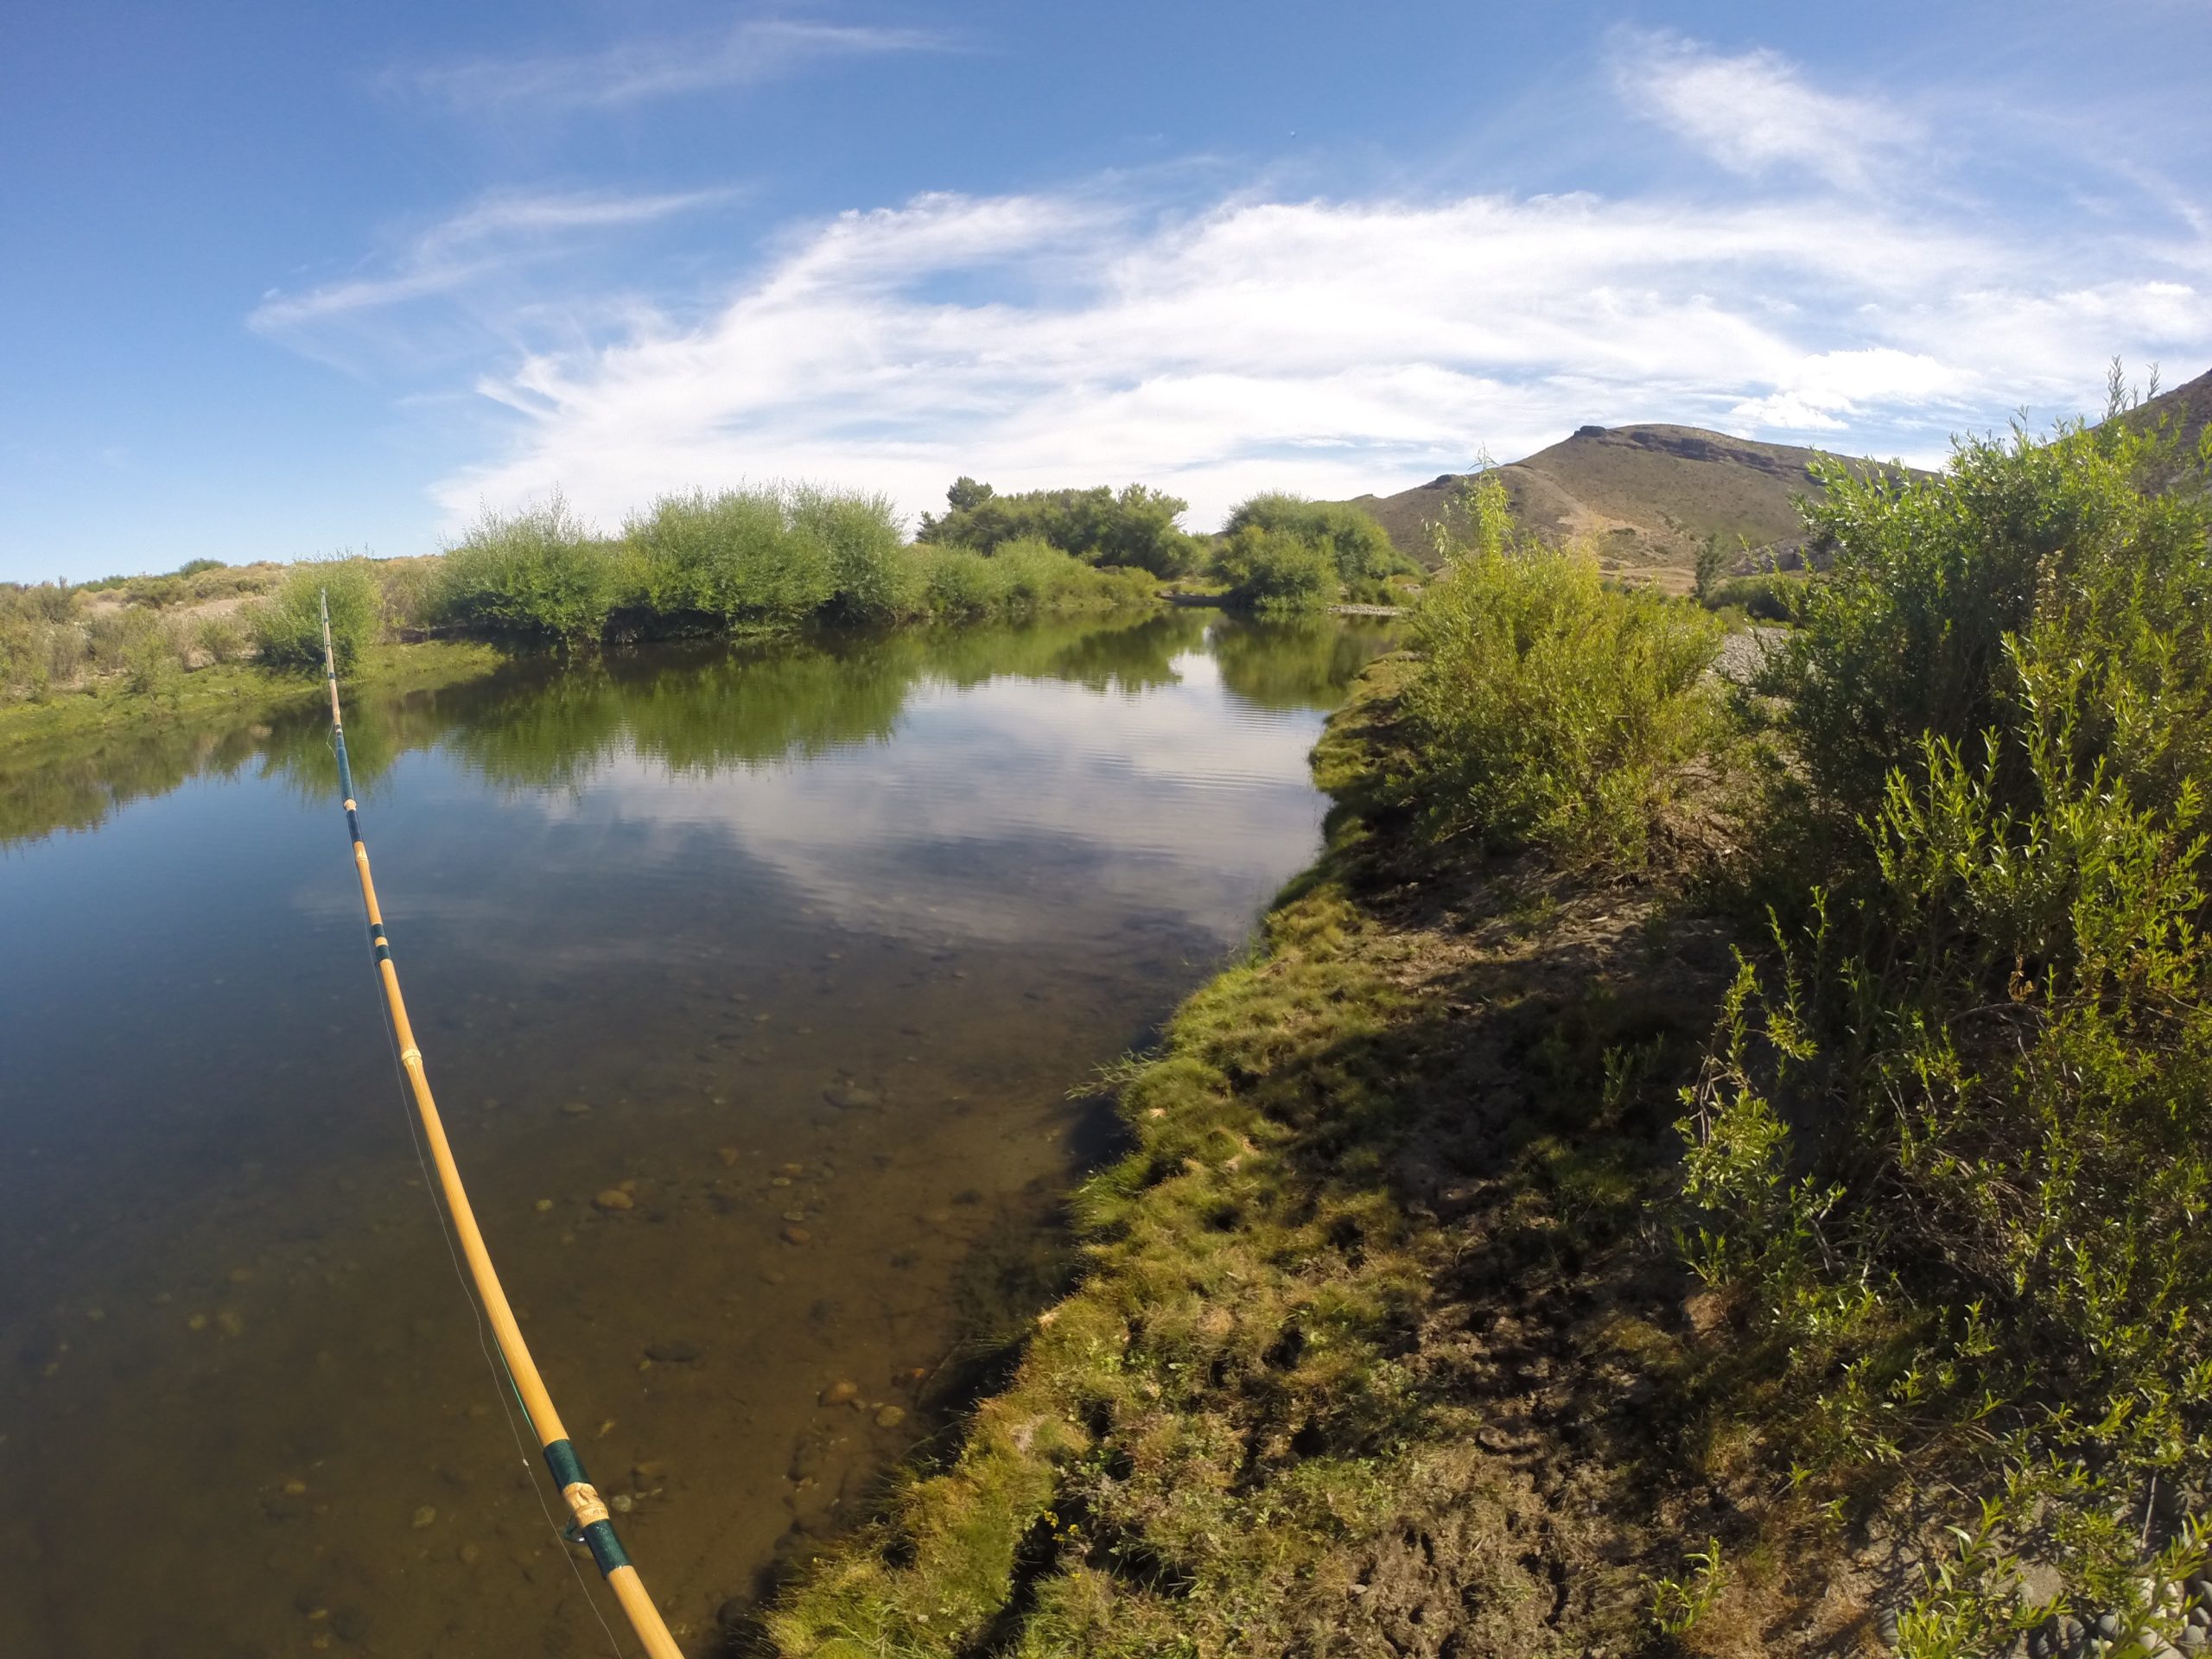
(233, 688)
(1369, 1252)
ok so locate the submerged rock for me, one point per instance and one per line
(852, 1097)
(843, 1392)
(796, 1235)
(615, 1198)
(425, 1516)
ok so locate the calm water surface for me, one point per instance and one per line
(815, 944)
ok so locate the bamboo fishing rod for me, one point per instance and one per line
(586, 1508)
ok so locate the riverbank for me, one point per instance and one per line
(802, 945)
(240, 690)
(1693, 1168)
(1378, 1332)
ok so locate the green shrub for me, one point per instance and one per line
(287, 626)
(1274, 570)
(1359, 548)
(154, 658)
(407, 596)
(1135, 526)
(738, 557)
(1907, 633)
(42, 646)
(223, 637)
(963, 584)
(1954, 1141)
(873, 578)
(539, 571)
(193, 567)
(1763, 598)
(160, 592)
(1549, 707)
(1040, 577)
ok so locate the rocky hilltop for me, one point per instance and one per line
(1648, 496)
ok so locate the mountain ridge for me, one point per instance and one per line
(1649, 494)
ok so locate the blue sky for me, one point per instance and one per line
(282, 279)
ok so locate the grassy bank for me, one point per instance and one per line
(240, 688)
(745, 563)
(742, 563)
(1366, 1325)
(1686, 1171)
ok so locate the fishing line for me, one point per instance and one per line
(590, 1519)
(498, 1369)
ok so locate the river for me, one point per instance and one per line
(812, 953)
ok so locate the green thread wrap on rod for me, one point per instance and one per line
(606, 1549)
(568, 1468)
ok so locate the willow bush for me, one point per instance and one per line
(736, 556)
(541, 571)
(1135, 527)
(1953, 1147)
(287, 626)
(1548, 707)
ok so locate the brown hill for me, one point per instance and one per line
(2182, 414)
(1648, 495)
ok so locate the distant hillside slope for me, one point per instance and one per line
(1648, 495)
(2188, 408)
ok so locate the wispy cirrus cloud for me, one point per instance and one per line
(1330, 347)
(494, 234)
(1097, 332)
(747, 53)
(1754, 112)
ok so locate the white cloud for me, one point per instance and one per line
(1088, 335)
(1328, 347)
(747, 53)
(1824, 387)
(492, 235)
(1754, 112)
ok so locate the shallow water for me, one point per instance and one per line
(818, 942)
